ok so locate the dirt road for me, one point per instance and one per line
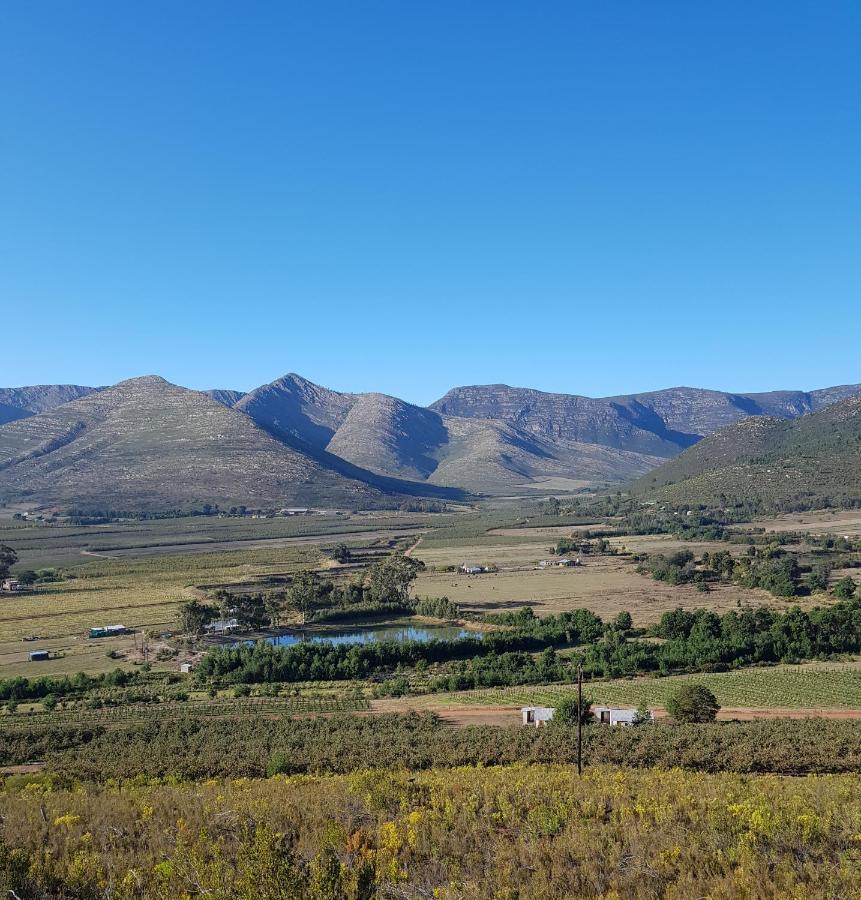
(462, 716)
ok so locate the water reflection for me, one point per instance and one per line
(373, 634)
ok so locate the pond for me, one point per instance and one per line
(370, 634)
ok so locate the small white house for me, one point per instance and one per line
(612, 715)
(10, 586)
(186, 668)
(537, 715)
(222, 627)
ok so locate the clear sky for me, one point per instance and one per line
(589, 197)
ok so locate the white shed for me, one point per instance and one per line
(186, 667)
(537, 715)
(612, 715)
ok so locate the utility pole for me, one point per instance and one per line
(579, 718)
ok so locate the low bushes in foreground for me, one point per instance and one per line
(196, 748)
(527, 832)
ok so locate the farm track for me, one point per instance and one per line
(192, 547)
(464, 716)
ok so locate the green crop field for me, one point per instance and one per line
(65, 545)
(814, 686)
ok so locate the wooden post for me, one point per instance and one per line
(579, 718)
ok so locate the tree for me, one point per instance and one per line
(623, 622)
(342, 554)
(552, 507)
(304, 593)
(251, 611)
(643, 715)
(8, 558)
(273, 605)
(817, 580)
(194, 616)
(693, 703)
(390, 580)
(845, 588)
(565, 712)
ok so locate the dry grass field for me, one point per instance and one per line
(828, 521)
(605, 584)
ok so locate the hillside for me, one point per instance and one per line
(293, 407)
(567, 417)
(225, 397)
(391, 437)
(489, 439)
(663, 421)
(146, 444)
(18, 403)
(774, 463)
(700, 412)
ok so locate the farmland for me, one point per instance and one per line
(138, 573)
(139, 593)
(812, 686)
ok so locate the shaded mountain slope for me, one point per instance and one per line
(18, 403)
(293, 407)
(700, 412)
(12, 413)
(225, 397)
(568, 417)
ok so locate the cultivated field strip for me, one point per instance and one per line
(237, 708)
(824, 686)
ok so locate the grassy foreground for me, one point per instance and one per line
(505, 832)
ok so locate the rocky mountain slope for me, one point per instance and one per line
(772, 463)
(225, 397)
(146, 444)
(679, 416)
(18, 403)
(293, 407)
(396, 439)
(491, 439)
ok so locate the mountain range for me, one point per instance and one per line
(147, 445)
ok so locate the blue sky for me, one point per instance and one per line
(585, 197)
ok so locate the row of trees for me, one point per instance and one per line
(384, 586)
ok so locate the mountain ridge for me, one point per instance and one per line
(145, 444)
(481, 439)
